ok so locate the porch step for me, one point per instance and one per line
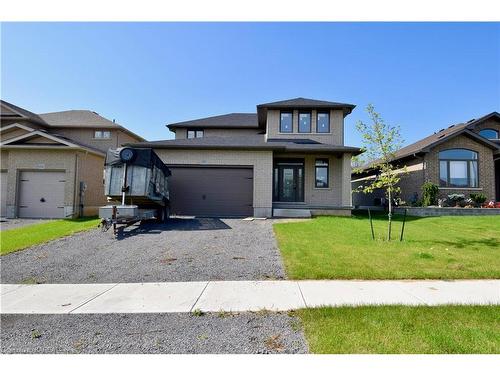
(291, 212)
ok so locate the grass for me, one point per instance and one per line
(433, 248)
(21, 238)
(402, 329)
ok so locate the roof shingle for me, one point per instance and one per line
(230, 120)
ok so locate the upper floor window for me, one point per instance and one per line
(286, 122)
(102, 134)
(489, 133)
(194, 133)
(323, 122)
(321, 178)
(458, 168)
(304, 122)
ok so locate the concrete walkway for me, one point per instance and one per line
(237, 295)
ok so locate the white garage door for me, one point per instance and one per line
(3, 193)
(41, 194)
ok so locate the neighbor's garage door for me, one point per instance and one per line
(211, 191)
(3, 193)
(41, 194)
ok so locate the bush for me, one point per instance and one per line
(457, 199)
(478, 198)
(429, 194)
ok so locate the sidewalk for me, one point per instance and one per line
(238, 295)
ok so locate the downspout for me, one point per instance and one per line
(75, 179)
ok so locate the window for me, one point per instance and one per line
(304, 122)
(194, 133)
(489, 133)
(458, 168)
(102, 134)
(323, 122)
(321, 173)
(286, 122)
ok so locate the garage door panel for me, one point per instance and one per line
(41, 194)
(208, 191)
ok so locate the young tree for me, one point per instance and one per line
(380, 143)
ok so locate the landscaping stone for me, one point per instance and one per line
(220, 332)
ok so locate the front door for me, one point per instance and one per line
(289, 182)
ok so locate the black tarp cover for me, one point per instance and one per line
(144, 157)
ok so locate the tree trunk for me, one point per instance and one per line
(389, 215)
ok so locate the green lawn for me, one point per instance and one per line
(20, 238)
(402, 329)
(434, 248)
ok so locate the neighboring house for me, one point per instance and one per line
(52, 163)
(288, 158)
(462, 159)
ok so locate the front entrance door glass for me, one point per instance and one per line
(289, 182)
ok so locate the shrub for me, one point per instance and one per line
(457, 199)
(478, 198)
(429, 194)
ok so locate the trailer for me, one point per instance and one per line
(136, 184)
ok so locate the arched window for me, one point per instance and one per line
(489, 133)
(458, 168)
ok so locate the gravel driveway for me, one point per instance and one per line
(152, 333)
(181, 250)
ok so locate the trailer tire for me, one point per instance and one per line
(164, 213)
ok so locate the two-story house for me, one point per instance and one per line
(287, 159)
(462, 158)
(52, 163)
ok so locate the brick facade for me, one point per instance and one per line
(486, 169)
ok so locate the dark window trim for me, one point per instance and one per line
(447, 160)
(291, 113)
(327, 166)
(304, 112)
(329, 126)
(195, 130)
(492, 129)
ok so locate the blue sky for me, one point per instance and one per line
(421, 76)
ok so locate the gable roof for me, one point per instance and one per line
(9, 110)
(20, 141)
(432, 140)
(82, 118)
(473, 122)
(424, 145)
(66, 119)
(230, 120)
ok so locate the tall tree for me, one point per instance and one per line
(380, 143)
